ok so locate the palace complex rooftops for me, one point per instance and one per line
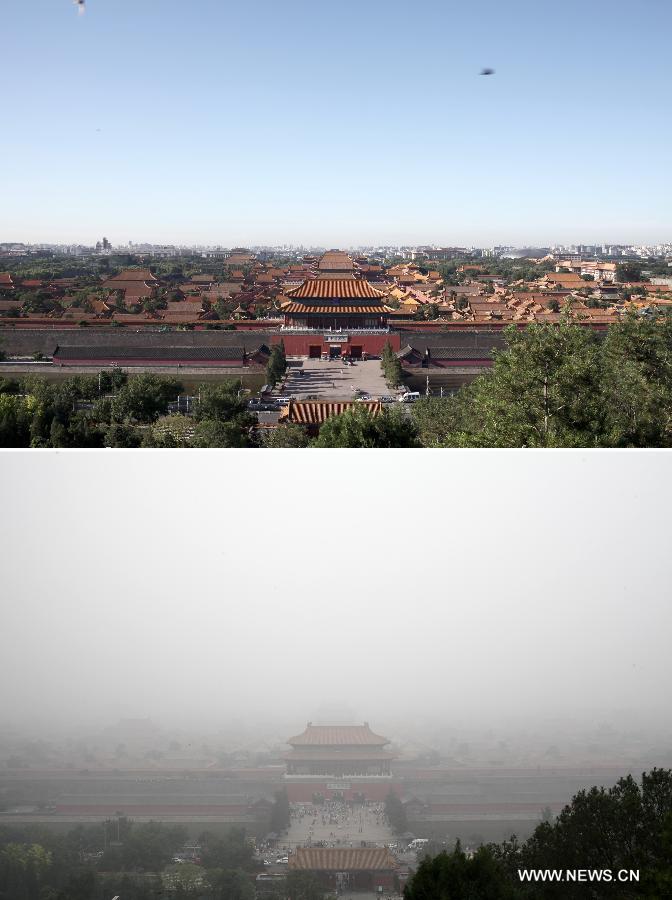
(131, 275)
(135, 283)
(337, 735)
(335, 261)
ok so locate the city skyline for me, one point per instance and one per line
(665, 246)
(258, 126)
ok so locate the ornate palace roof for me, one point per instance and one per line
(335, 754)
(336, 288)
(369, 859)
(333, 308)
(130, 275)
(315, 412)
(338, 735)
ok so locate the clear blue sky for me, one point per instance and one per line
(263, 122)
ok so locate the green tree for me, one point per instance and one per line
(543, 391)
(232, 852)
(169, 432)
(396, 813)
(277, 364)
(215, 433)
(357, 427)
(637, 383)
(144, 398)
(150, 845)
(280, 817)
(23, 870)
(628, 271)
(438, 419)
(222, 402)
(111, 380)
(16, 415)
(303, 886)
(285, 436)
(391, 366)
(455, 876)
(83, 431)
(231, 884)
(626, 826)
(121, 436)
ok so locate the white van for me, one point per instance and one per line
(283, 401)
(409, 397)
(418, 843)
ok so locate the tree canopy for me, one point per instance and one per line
(564, 386)
(357, 427)
(627, 827)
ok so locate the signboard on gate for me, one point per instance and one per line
(336, 338)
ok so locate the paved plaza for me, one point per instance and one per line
(338, 825)
(331, 380)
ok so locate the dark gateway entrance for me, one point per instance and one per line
(315, 351)
(334, 351)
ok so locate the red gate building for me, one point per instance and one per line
(347, 762)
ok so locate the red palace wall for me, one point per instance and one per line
(300, 344)
(302, 791)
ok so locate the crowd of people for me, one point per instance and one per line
(348, 825)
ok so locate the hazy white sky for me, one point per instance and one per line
(198, 585)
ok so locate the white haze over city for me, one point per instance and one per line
(202, 589)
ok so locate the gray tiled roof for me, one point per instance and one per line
(117, 352)
(460, 353)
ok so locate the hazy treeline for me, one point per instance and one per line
(627, 828)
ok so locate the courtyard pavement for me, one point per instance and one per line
(345, 832)
(331, 380)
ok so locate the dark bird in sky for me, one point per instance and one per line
(487, 71)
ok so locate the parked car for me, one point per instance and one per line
(409, 397)
(386, 399)
(258, 405)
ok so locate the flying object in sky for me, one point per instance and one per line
(487, 71)
(80, 4)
